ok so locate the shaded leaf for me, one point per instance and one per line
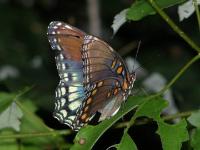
(169, 134)
(10, 118)
(31, 123)
(195, 139)
(8, 144)
(172, 136)
(126, 143)
(87, 136)
(194, 119)
(142, 8)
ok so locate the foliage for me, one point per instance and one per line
(33, 133)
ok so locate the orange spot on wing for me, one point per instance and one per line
(115, 91)
(119, 69)
(100, 84)
(83, 117)
(89, 100)
(94, 91)
(113, 64)
(125, 85)
(87, 119)
(86, 109)
(108, 94)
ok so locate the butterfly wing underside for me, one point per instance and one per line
(67, 42)
(104, 73)
(93, 77)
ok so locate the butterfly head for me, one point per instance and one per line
(132, 78)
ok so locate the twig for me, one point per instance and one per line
(165, 118)
(197, 12)
(178, 75)
(174, 26)
(36, 134)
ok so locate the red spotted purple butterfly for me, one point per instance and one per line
(93, 77)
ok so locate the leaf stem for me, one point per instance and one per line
(173, 25)
(36, 134)
(165, 118)
(177, 115)
(24, 91)
(197, 12)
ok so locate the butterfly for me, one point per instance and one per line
(93, 76)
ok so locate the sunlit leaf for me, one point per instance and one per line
(194, 119)
(10, 118)
(186, 10)
(142, 8)
(119, 20)
(126, 143)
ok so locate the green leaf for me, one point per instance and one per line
(195, 140)
(32, 123)
(194, 119)
(172, 136)
(8, 144)
(87, 136)
(5, 100)
(126, 143)
(10, 118)
(169, 134)
(142, 8)
(152, 108)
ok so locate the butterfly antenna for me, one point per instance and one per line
(139, 44)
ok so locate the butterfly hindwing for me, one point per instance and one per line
(105, 97)
(67, 42)
(104, 77)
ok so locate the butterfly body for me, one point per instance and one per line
(93, 77)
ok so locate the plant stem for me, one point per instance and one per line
(178, 115)
(178, 75)
(197, 12)
(24, 91)
(37, 134)
(173, 25)
(165, 118)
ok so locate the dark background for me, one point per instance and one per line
(24, 46)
